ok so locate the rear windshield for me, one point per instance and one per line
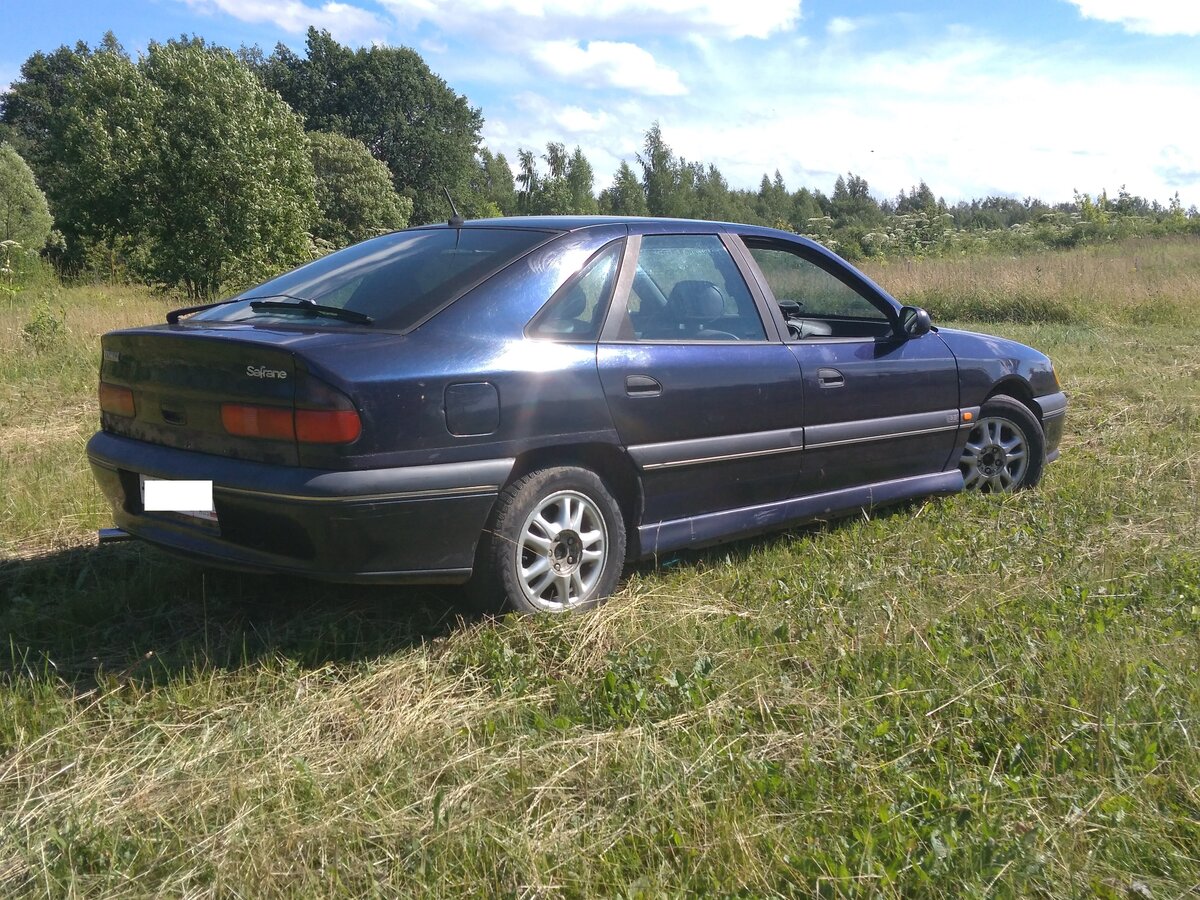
(397, 279)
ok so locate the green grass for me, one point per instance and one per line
(977, 696)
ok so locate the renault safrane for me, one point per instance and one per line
(526, 404)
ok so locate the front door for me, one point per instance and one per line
(879, 405)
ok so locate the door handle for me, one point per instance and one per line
(830, 378)
(642, 386)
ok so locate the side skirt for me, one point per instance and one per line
(713, 528)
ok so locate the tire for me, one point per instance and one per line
(556, 543)
(1005, 451)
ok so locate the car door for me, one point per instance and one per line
(704, 395)
(879, 405)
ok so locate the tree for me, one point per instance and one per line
(852, 204)
(553, 196)
(805, 208)
(183, 162)
(24, 214)
(95, 149)
(580, 178)
(660, 174)
(354, 191)
(386, 97)
(774, 204)
(626, 197)
(228, 180)
(527, 180)
(30, 105)
(564, 189)
(492, 190)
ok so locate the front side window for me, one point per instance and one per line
(804, 289)
(688, 288)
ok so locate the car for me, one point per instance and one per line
(526, 404)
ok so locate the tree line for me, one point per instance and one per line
(201, 168)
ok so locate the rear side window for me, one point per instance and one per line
(397, 279)
(577, 311)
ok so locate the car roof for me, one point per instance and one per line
(575, 223)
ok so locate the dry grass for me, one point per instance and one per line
(1143, 281)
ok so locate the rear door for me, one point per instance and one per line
(703, 393)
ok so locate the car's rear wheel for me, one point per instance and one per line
(1005, 450)
(557, 543)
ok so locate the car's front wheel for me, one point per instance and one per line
(557, 543)
(1005, 450)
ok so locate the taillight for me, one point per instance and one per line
(323, 415)
(327, 426)
(116, 400)
(247, 420)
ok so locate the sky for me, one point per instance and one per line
(1020, 98)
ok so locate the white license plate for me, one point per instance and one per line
(185, 498)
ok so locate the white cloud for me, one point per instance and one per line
(972, 117)
(609, 63)
(575, 120)
(674, 17)
(1157, 17)
(840, 25)
(344, 21)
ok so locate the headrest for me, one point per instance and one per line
(573, 304)
(699, 300)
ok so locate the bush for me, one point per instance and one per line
(46, 330)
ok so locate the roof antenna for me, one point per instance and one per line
(456, 221)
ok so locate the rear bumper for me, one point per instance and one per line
(417, 524)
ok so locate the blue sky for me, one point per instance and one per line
(1029, 97)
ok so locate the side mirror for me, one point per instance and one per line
(915, 321)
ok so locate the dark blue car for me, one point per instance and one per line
(528, 403)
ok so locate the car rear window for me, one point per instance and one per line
(397, 279)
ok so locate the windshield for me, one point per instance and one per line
(397, 280)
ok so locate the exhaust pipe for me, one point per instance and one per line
(113, 535)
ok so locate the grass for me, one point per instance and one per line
(978, 696)
(1137, 282)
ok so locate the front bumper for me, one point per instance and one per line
(1054, 415)
(417, 524)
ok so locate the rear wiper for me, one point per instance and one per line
(309, 308)
(173, 315)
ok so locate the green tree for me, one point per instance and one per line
(527, 181)
(553, 195)
(805, 208)
(227, 180)
(493, 192)
(354, 191)
(565, 188)
(29, 107)
(774, 203)
(852, 203)
(96, 147)
(386, 97)
(714, 200)
(184, 163)
(626, 197)
(24, 213)
(580, 182)
(661, 175)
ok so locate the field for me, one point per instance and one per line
(973, 696)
